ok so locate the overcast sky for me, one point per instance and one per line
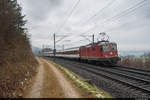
(130, 29)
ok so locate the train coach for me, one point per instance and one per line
(102, 51)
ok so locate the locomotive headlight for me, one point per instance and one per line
(111, 53)
(106, 56)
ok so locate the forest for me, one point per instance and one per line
(17, 62)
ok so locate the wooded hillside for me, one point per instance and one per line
(16, 59)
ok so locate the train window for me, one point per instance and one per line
(114, 47)
(75, 52)
(83, 49)
(101, 49)
(93, 49)
(88, 49)
(106, 48)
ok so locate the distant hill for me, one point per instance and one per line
(35, 50)
(133, 53)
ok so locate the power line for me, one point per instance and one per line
(100, 11)
(120, 14)
(77, 41)
(73, 42)
(86, 38)
(110, 3)
(62, 37)
(135, 22)
(67, 18)
(127, 11)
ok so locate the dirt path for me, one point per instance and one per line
(35, 90)
(66, 86)
(50, 83)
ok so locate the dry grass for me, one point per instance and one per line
(30, 83)
(83, 93)
(13, 79)
(136, 62)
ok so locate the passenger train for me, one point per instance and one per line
(101, 51)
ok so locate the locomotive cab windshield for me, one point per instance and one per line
(106, 48)
(114, 47)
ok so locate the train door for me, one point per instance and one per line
(96, 51)
(93, 52)
(100, 51)
(88, 52)
(83, 52)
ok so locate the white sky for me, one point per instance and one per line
(129, 31)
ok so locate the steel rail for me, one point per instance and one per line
(135, 82)
(138, 86)
(139, 69)
(132, 71)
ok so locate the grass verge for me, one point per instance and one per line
(79, 82)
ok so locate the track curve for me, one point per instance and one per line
(134, 79)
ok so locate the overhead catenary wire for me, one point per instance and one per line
(76, 41)
(135, 23)
(61, 39)
(72, 43)
(127, 11)
(86, 38)
(131, 9)
(88, 19)
(100, 11)
(67, 18)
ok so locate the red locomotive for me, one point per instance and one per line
(100, 51)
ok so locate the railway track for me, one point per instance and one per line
(136, 79)
(138, 83)
(111, 73)
(133, 70)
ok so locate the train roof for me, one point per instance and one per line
(99, 43)
(69, 49)
(89, 45)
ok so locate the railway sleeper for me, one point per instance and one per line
(89, 81)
